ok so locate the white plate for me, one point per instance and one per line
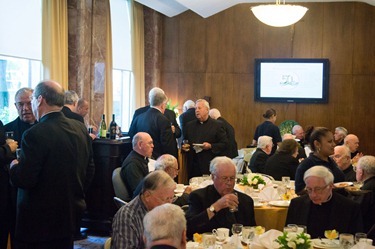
(343, 184)
(258, 204)
(325, 243)
(279, 203)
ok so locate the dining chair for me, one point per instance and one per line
(119, 187)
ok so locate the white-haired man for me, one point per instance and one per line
(261, 154)
(323, 209)
(339, 135)
(165, 227)
(207, 138)
(187, 115)
(342, 159)
(70, 106)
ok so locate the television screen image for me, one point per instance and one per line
(291, 80)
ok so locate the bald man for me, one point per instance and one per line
(52, 174)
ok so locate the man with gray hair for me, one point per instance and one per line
(207, 137)
(339, 135)
(323, 209)
(219, 205)
(261, 154)
(154, 122)
(187, 115)
(165, 227)
(342, 158)
(70, 106)
(127, 227)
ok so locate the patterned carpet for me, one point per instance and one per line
(92, 242)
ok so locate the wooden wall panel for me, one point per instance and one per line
(215, 58)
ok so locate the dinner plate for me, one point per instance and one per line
(343, 184)
(258, 204)
(325, 243)
(279, 203)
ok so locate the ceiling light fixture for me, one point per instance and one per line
(279, 14)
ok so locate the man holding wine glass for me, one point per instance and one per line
(210, 207)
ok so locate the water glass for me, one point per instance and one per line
(247, 234)
(235, 208)
(346, 240)
(291, 228)
(359, 236)
(236, 230)
(18, 153)
(286, 181)
(208, 240)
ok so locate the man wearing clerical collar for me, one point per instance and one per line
(323, 209)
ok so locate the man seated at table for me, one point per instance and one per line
(261, 154)
(169, 164)
(210, 207)
(135, 166)
(321, 209)
(342, 159)
(165, 227)
(127, 227)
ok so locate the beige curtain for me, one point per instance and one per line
(55, 41)
(138, 84)
(108, 86)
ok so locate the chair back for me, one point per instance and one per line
(119, 187)
(107, 244)
(119, 203)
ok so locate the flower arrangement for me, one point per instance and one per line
(252, 180)
(294, 241)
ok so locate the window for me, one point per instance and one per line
(122, 61)
(20, 51)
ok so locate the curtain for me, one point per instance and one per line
(108, 86)
(55, 41)
(138, 83)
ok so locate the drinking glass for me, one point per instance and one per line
(286, 181)
(346, 240)
(235, 208)
(18, 153)
(185, 145)
(236, 230)
(247, 235)
(208, 240)
(359, 236)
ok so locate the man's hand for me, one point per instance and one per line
(226, 201)
(206, 146)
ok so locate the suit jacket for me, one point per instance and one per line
(232, 150)
(159, 128)
(186, 117)
(281, 164)
(53, 173)
(72, 115)
(258, 161)
(344, 215)
(201, 199)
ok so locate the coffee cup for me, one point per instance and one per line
(221, 233)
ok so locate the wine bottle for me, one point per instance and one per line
(112, 128)
(103, 128)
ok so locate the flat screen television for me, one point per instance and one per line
(291, 80)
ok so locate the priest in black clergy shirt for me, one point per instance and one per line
(207, 139)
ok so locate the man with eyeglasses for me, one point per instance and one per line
(323, 209)
(127, 227)
(26, 118)
(219, 205)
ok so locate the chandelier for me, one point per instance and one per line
(279, 14)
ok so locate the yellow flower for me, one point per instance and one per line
(259, 230)
(197, 237)
(331, 234)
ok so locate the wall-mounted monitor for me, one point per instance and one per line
(291, 80)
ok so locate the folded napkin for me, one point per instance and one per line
(266, 240)
(268, 194)
(197, 148)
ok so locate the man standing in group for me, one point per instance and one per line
(70, 106)
(54, 170)
(156, 124)
(135, 166)
(188, 114)
(207, 138)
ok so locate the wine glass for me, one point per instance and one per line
(247, 235)
(331, 235)
(236, 230)
(359, 236)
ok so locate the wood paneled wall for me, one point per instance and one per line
(215, 57)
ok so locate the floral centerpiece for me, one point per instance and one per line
(294, 241)
(252, 180)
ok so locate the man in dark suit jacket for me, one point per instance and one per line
(52, 174)
(232, 150)
(259, 158)
(210, 207)
(187, 115)
(156, 125)
(321, 209)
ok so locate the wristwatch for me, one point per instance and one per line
(212, 209)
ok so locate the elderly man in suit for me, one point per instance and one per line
(52, 174)
(188, 114)
(342, 158)
(70, 106)
(259, 158)
(156, 124)
(322, 209)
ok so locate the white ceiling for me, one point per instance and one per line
(207, 8)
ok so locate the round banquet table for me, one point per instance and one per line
(271, 217)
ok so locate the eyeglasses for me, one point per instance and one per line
(20, 105)
(226, 178)
(317, 190)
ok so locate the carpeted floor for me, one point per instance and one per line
(92, 242)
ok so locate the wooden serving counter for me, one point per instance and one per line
(108, 155)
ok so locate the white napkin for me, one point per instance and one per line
(151, 165)
(197, 148)
(268, 194)
(266, 240)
